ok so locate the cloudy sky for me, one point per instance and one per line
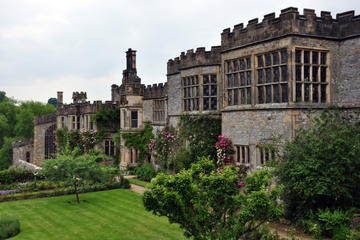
(79, 45)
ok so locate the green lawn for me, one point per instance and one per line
(139, 182)
(114, 214)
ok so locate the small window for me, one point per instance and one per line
(265, 154)
(62, 122)
(242, 154)
(73, 121)
(28, 157)
(109, 148)
(134, 119)
(78, 122)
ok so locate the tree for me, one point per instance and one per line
(208, 204)
(2, 96)
(320, 167)
(74, 170)
(52, 101)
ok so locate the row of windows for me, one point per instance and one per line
(243, 155)
(271, 73)
(78, 122)
(199, 92)
(159, 110)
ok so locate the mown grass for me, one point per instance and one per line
(114, 214)
(139, 182)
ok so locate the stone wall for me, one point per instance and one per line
(174, 98)
(20, 148)
(348, 90)
(39, 141)
(255, 128)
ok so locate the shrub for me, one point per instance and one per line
(145, 172)
(16, 175)
(320, 167)
(335, 224)
(9, 226)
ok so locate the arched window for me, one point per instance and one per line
(50, 147)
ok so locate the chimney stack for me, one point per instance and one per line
(59, 99)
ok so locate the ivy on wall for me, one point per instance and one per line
(196, 137)
(85, 141)
(139, 140)
(107, 119)
(201, 133)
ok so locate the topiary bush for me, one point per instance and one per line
(145, 172)
(9, 226)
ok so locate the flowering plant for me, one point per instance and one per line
(164, 146)
(225, 150)
(9, 191)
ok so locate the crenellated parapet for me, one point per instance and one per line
(43, 119)
(84, 108)
(155, 91)
(290, 22)
(194, 59)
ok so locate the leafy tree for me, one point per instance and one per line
(320, 167)
(208, 204)
(74, 170)
(16, 122)
(52, 101)
(2, 96)
(6, 153)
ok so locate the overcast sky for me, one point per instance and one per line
(79, 45)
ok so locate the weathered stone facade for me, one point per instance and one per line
(260, 81)
(23, 150)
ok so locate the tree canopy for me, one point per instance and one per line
(16, 122)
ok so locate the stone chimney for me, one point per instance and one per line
(59, 99)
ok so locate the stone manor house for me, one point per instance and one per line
(260, 81)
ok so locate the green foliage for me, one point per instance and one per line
(75, 170)
(107, 119)
(196, 137)
(16, 122)
(19, 175)
(9, 226)
(335, 224)
(6, 153)
(258, 180)
(52, 101)
(201, 133)
(208, 203)
(85, 141)
(145, 172)
(320, 167)
(140, 140)
(181, 160)
(165, 147)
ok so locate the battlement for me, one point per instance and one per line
(79, 97)
(155, 91)
(194, 59)
(290, 22)
(47, 118)
(85, 107)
